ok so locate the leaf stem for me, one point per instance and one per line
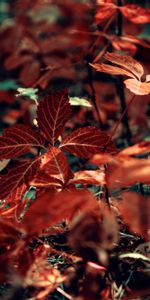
(119, 121)
(120, 86)
(93, 95)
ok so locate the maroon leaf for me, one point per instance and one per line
(135, 211)
(53, 112)
(17, 175)
(45, 180)
(18, 140)
(16, 60)
(52, 207)
(54, 169)
(125, 171)
(84, 142)
(30, 73)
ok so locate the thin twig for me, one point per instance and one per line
(120, 85)
(106, 190)
(62, 292)
(93, 95)
(119, 121)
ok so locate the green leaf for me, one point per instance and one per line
(28, 92)
(8, 84)
(79, 101)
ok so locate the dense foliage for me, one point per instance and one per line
(74, 150)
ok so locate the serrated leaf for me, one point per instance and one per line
(17, 175)
(53, 112)
(112, 70)
(79, 101)
(128, 66)
(84, 142)
(18, 140)
(54, 169)
(44, 180)
(127, 62)
(16, 195)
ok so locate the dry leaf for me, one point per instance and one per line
(127, 67)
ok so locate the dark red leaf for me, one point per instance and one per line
(125, 171)
(53, 113)
(18, 140)
(52, 207)
(54, 169)
(84, 142)
(135, 211)
(17, 175)
(30, 73)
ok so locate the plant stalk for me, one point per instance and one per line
(93, 95)
(120, 85)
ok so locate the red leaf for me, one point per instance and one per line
(137, 87)
(16, 257)
(45, 180)
(7, 97)
(41, 274)
(17, 175)
(16, 60)
(131, 68)
(84, 142)
(15, 202)
(18, 140)
(54, 168)
(8, 232)
(30, 73)
(136, 14)
(52, 207)
(101, 159)
(112, 70)
(127, 171)
(105, 12)
(135, 211)
(96, 177)
(136, 149)
(127, 62)
(16, 195)
(53, 113)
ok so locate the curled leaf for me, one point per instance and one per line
(128, 66)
